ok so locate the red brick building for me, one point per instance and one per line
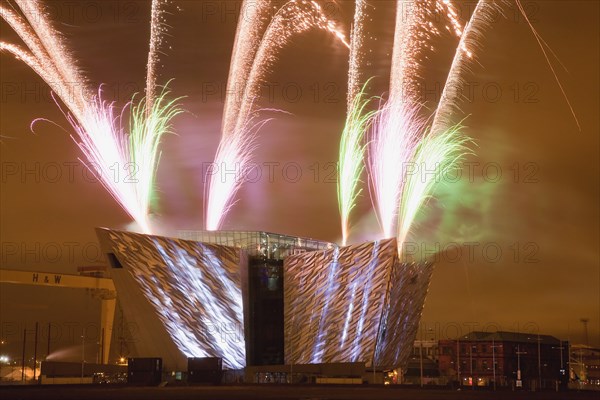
(513, 359)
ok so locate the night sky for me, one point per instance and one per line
(541, 212)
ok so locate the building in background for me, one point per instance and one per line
(512, 359)
(427, 348)
(423, 367)
(584, 371)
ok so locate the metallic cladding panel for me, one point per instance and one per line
(194, 288)
(149, 335)
(408, 287)
(333, 302)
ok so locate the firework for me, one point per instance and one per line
(413, 35)
(444, 144)
(399, 142)
(397, 127)
(294, 18)
(435, 155)
(146, 129)
(545, 49)
(157, 30)
(233, 154)
(253, 21)
(125, 165)
(469, 40)
(356, 52)
(395, 135)
(238, 142)
(350, 165)
(42, 54)
(103, 141)
(352, 149)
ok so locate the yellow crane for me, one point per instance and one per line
(102, 288)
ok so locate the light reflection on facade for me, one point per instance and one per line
(338, 304)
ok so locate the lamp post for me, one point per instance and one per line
(35, 351)
(494, 362)
(458, 361)
(23, 357)
(421, 359)
(539, 362)
(562, 368)
(519, 383)
(82, 354)
(471, 366)
(494, 359)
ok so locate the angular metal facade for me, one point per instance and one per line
(193, 288)
(333, 301)
(353, 304)
(192, 299)
(407, 290)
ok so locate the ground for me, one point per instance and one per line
(270, 392)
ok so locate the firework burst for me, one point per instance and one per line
(352, 148)
(124, 164)
(157, 31)
(395, 135)
(147, 126)
(444, 145)
(469, 41)
(294, 18)
(234, 154)
(435, 156)
(247, 41)
(256, 59)
(400, 142)
(351, 159)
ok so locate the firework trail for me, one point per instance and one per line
(235, 154)
(543, 46)
(237, 144)
(102, 140)
(253, 21)
(435, 156)
(294, 18)
(397, 137)
(352, 149)
(157, 30)
(152, 120)
(469, 39)
(415, 29)
(146, 129)
(73, 82)
(397, 127)
(42, 54)
(404, 70)
(395, 134)
(356, 52)
(351, 165)
(444, 143)
(109, 151)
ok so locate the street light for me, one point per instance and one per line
(82, 354)
(471, 366)
(519, 383)
(421, 358)
(494, 362)
(539, 362)
(458, 362)
(562, 368)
